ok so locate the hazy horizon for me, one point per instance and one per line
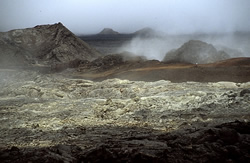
(90, 17)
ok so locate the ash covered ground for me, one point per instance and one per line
(75, 108)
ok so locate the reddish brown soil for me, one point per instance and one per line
(235, 70)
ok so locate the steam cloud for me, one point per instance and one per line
(151, 48)
(156, 47)
(171, 16)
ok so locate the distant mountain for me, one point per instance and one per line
(108, 31)
(146, 32)
(195, 51)
(43, 44)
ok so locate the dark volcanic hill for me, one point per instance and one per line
(43, 44)
(108, 31)
(145, 32)
(195, 51)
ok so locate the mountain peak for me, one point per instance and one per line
(108, 31)
(44, 44)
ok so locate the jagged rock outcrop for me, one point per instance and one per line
(195, 51)
(108, 31)
(43, 44)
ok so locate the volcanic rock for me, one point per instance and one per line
(195, 51)
(108, 31)
(43, 44)
(51, 118)
(107, 62)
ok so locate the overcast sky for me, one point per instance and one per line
(91, 16)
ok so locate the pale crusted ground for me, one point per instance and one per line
(40, 110)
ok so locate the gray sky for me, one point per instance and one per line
(91, 16)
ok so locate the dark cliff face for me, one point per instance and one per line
(43, 44)
(195, 51)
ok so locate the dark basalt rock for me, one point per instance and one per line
(222, 143)
(106, 62)
(244, 92)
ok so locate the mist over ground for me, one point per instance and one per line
(179, 20)
(235, 44)
(61, 100)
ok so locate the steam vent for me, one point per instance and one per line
(68, 98)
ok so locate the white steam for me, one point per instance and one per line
(151, 47)
(156, 47)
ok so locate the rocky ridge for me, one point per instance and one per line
(76, 119)
(43, 44)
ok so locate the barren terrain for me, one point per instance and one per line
(81, 120)
(235, 70)
(118, 108)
